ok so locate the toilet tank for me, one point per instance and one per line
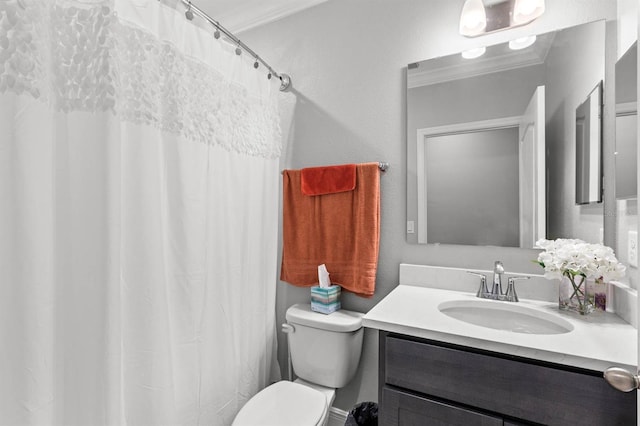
(325, 349)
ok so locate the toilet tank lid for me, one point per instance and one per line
(340, 321)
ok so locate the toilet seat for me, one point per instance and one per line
(284, 404)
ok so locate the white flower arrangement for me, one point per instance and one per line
(578, 261)
(571, 258)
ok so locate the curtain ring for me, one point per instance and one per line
(189, 14)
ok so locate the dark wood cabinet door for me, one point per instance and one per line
(404, 409)
(512, 387)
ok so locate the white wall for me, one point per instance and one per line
(627, 24)
(347, 59)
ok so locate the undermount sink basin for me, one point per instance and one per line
(505, 316)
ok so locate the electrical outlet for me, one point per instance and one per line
(632, 248)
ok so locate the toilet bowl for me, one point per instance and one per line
(325, 353)
(285, 404)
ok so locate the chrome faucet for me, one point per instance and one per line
(496, 289)
(496, 292)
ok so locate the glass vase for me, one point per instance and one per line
(573, 295)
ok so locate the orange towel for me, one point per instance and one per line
(341, 230)
(328, 180)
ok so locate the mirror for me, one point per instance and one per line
(589, 148)
(626, 124)
(457, 165)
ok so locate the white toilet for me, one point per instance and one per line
(325, 353)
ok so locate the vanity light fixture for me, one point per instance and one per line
(474, 53)
(525, 11)
(473, 19)
(522, 42)
(477, 19)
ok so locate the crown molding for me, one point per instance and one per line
(498, 58)
(248, 16)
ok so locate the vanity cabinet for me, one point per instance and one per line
(425, 382)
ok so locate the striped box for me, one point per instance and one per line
(325, 300)
(325, 308)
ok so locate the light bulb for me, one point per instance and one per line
(522, 42)
(525, 11)
(474, 53)
(473, 19)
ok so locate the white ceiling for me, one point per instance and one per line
(241, 15)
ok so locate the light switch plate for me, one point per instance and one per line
(410, 227)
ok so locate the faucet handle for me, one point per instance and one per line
(482, 290)
(511, 295)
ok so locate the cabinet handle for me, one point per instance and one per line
(621, 379)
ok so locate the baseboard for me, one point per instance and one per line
(337, 417)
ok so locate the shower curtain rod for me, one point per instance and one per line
(285, 79)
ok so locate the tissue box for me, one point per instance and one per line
(325, 308)
(325, 300)
(325, 295)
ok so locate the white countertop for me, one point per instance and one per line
(598, 340)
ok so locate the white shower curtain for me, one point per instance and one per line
(138, 218)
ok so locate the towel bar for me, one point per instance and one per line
(383, 166)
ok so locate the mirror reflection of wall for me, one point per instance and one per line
(589, 148)
(626, 151)
(626, 124)
(461, 197)
(450, 90)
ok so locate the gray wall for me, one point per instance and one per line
(347, 59)
(572, 73)
(626, 125)
(473, 188)
(495, 95)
